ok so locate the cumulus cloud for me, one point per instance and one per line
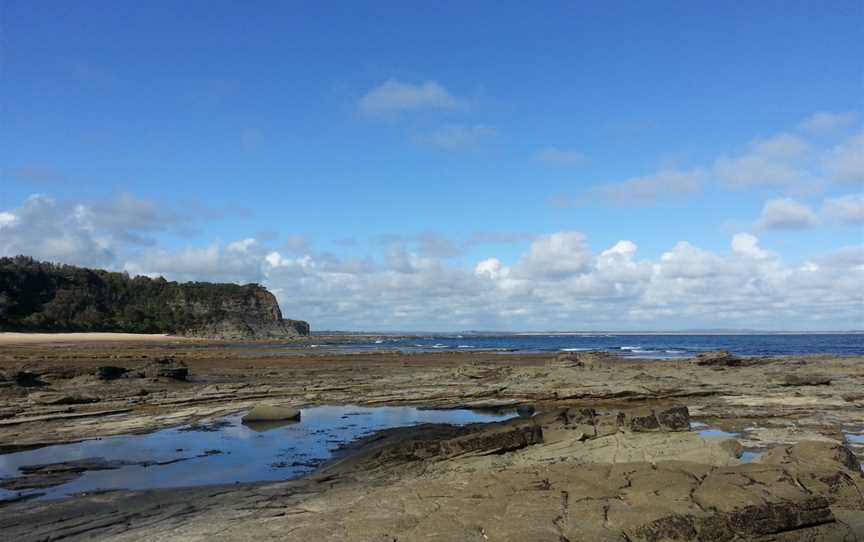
(653, 188)
(7, 219)
(845, 162)
(557, 283)
(556, 255)
(393, 97)
(848, 209)
(239, 261)
(456, 137)
(825, 122)
(561, 157)
(747, 245)
(786, 214)
(44, 229)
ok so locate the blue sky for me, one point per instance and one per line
(396, 146)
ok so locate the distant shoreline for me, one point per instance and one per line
(564, 333)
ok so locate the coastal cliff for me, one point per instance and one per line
(45, 297)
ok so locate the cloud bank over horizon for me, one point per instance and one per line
(557, 282)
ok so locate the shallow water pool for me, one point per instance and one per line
(227, 451)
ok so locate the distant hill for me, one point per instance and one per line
(47, 297)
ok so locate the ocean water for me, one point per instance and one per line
(644, 346)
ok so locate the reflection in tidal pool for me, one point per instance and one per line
(227, 451)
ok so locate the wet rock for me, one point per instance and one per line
(676, 418)
(798, 379)
(720, 358)
(54, 398)
(586, 359)
(271, 413)
(167, 368)
(110, 372)
(28, 379)
(211, 427)
(525, 411)
(498, 439)
(54, 474)
(640, 420)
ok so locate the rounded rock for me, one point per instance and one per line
(271, 413)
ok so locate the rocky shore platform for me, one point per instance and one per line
(616, 449)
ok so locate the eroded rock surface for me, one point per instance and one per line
(611, 453)
(498, 482)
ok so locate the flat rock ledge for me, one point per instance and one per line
(577, 474)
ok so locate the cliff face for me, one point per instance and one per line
(252, 313)
(37, 296)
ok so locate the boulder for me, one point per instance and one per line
(271, 413)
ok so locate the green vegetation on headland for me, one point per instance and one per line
(47, 297)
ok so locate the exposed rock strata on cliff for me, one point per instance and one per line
(44, 297)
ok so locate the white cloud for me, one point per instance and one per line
(556, 255)
(44, 229)
(456, 137)
(825, 122)
(786, 214)
(778, 161)
(561, 157)
(393, 97)
(491, 268)
(7, 219)
(848, 209)
(652, 188)
(557, 283)
(747, 245)
(845, 162)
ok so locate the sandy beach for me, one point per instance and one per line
(12, 338)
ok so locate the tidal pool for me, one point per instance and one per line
(747, 456)
(226, 451)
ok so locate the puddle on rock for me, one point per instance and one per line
(717, 433)
(706, 431)
(221, 452)
(855, 438)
